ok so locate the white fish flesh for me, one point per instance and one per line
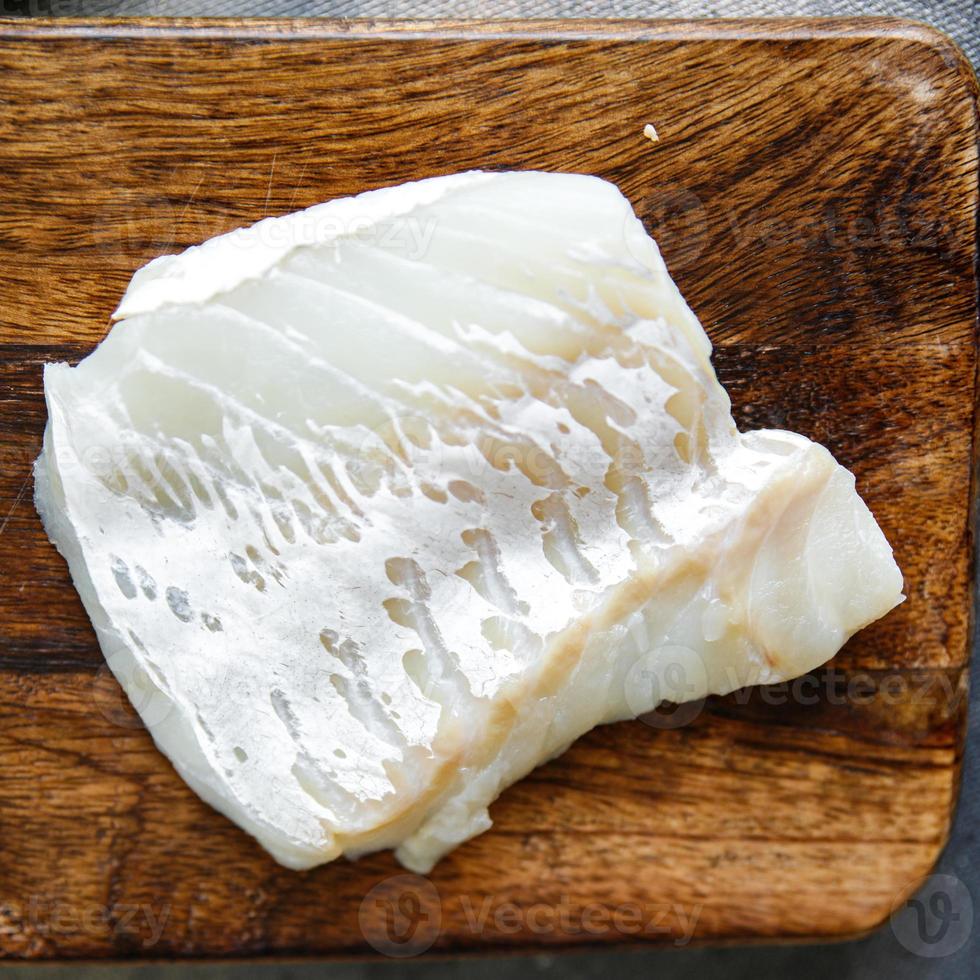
(376, 506)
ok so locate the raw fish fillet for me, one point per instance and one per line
(377, 506)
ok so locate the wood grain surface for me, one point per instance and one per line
(814, 191)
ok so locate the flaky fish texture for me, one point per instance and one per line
(377, 506)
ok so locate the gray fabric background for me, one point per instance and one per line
(897, 953)
(959, 18)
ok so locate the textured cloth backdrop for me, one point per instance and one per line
(959, 18)
(879, 955)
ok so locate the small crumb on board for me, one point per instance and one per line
(650, 133)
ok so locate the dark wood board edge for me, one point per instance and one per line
(557, 29)
(969, 74)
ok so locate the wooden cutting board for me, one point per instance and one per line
(814, 190)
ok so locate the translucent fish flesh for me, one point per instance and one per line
(376, 506)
